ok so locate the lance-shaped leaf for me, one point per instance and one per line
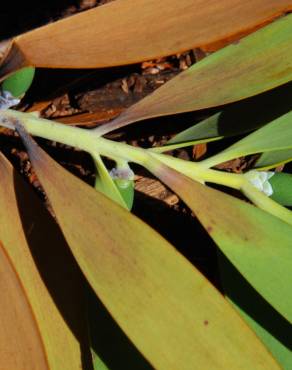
(119, 190)
(273, 159)
(111, 348)
(119, 33)
(257, 244)
(282, 188)
(257, 63)
(50, 280)
(275, 136)
(270, 326)
(21, 345)
(104, 182)
(239, 118)
(166, 307)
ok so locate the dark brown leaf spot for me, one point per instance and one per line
(209, 229)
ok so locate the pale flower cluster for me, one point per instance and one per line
(260, 179)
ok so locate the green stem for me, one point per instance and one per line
(92, 143)
(196, 172)
(86, 140)
(265, 203)
(89, 141)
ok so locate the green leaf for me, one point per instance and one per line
(203, 130)
(126, 189)
(105, 184)
(119, 190)
(172, 314)
(239, 118)
(258, 244)
(273, 159)
(282, 188)
(19, 82)
(270, 326)
(257, 63)
(98, 364)
(275, 136)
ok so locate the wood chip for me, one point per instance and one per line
(155, 189)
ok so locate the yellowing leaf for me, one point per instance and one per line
(257, 63)
(170, 312)
(21, 345)
(119, 32)
(51, 282)
(257, 243)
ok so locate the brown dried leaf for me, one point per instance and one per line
(119, 32)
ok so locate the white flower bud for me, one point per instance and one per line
(260, 180)
(7, 100)
(124, 174)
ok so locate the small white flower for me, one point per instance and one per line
(7, 100)
(260, 180)
(124, 174)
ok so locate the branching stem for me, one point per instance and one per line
(91, 142)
